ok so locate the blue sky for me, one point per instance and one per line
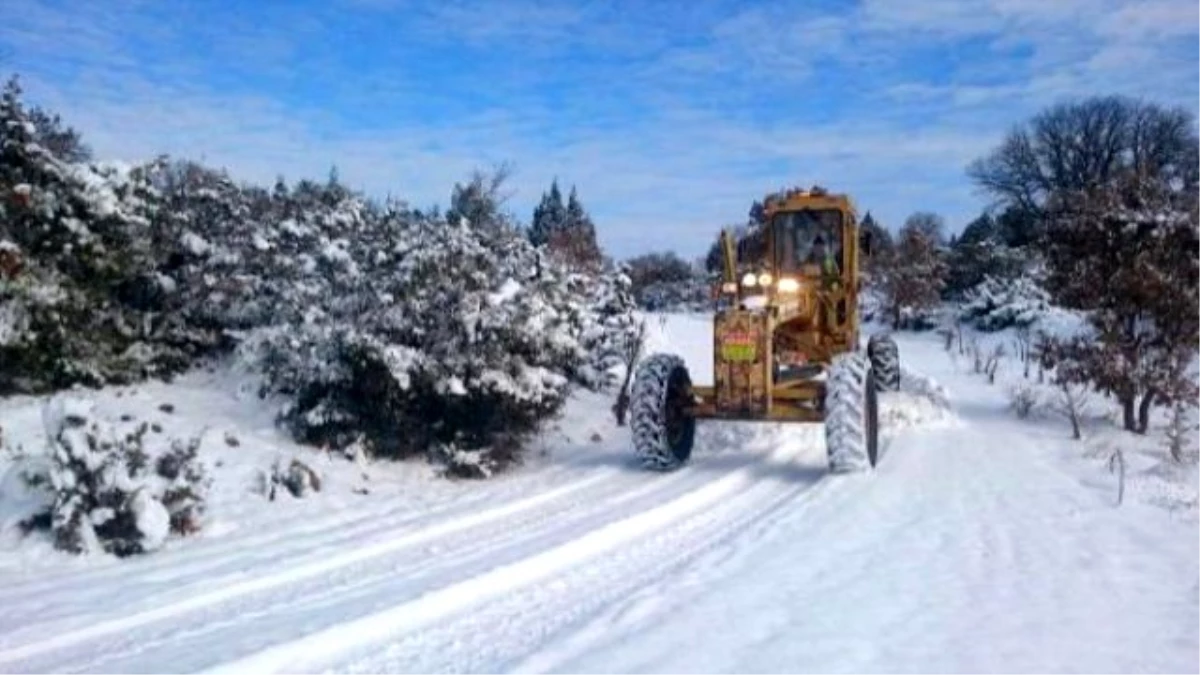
(670, 117)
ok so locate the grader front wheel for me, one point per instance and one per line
(885, 361)
(851, 414)
(663, 429)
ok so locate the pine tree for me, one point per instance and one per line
(575, 242)
(881, 240)
(549, 217)
(980, 254)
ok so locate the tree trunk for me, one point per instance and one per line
(1127, 408)
(1143, 421)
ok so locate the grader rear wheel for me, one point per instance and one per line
(663, 430)
(851, 414)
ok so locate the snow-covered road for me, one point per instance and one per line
(980, 544)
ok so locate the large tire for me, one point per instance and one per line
(851, 414)
(663, 432)
(885, 361)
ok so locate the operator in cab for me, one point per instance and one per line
(810, 239)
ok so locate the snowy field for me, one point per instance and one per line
(981, 543)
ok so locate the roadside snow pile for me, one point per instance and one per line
(1169, 485)
(102, 487)
(922, 402)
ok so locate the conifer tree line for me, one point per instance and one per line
(566, 229)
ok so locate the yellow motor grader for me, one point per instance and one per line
(786, 344)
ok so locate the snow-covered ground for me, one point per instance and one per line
(981, 543)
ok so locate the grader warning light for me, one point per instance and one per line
(788, 347)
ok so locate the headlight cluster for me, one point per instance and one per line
(764, 280)
(751, 279)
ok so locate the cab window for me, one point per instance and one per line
(806, 238)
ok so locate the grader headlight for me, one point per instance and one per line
(749, 280)
(764, 279)
(789, 285)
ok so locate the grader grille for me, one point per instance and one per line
(741, 369)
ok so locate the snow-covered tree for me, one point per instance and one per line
(912, 277)
(613, 325)
(981, 252)
(480, 201)
(1128, 255)
(77, 311)
(575, 243)
(464, 336)
(882, 245)
(566, 230)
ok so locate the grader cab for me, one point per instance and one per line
(785, 341)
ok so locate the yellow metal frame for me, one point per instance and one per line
(816, 328)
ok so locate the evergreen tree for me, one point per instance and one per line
(882, 244)
(575, 242)
(979, 254)
(549, 217)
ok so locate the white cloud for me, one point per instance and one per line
(664, 134)
(1151, 19)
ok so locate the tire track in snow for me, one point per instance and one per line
(320, 598)
(502, 633)
(289, 593)
(296, 573)
(215, 553)
(325, 645)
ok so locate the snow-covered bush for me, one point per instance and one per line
(1023, 397)
(103, 489)
(299, 479)
(689, 295)
(413, 333)
(464, 342)
(611, 326)
(997, 304)
(81, 297)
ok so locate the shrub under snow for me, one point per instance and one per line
(81, 298)
(102, 489)
(465, 341)
(691, 295)
(412, 333)
(996, 304)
